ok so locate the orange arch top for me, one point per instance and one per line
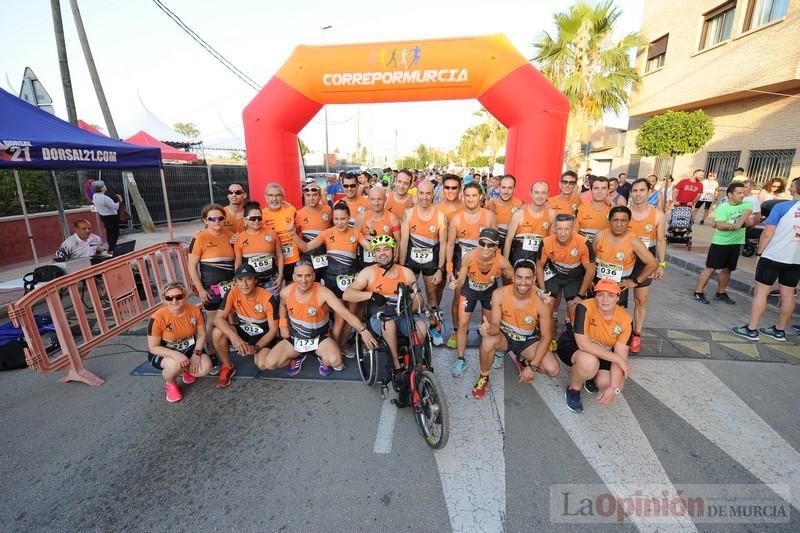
(438, 69)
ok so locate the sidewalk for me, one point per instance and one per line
(11, 278)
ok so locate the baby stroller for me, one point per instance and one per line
(679, 227)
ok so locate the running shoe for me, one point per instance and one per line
(324, 370)
(590, 386)
(436, 337)
(636, 343)
(499, 358)
(458, 367)
(225, 375)
(295, 366)
(745, 332)
(479, 390)
(349, 351)
(775, 333)
(214, 364)
(796, 328)
(700, 297)
(452, 342)
(188, 379)
(573, 398)
(723, 297)
(173, 392)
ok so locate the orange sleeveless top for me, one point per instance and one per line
(614, 261)
(480, 281)
(307, 319)
(645, 229)
(518, 324)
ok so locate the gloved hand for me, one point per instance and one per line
(378, 299)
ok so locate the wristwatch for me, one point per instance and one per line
(533, 367)
(582, 295)
(540, 292)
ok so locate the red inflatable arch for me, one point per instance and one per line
(487, 68)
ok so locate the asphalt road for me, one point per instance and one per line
(702, 409)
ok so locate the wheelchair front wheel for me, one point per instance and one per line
(430, 412)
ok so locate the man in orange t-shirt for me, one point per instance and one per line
(279, 217)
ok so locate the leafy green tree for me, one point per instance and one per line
(234, 155)
(363, 156)
(304, 149)
(592, 70)
(675, 133)
(188, 129)
(492, 133)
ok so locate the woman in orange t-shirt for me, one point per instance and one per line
(176, 341)
(260, 247)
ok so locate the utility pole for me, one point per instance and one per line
(133, 189)
(61, 46)
(358, 135)
(327, 169)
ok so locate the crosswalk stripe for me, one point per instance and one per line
(788, 349)
(473, 469)
(383, 438)
(675, 334)
(695, 394)
(695, 346)
(614, 444)
(748, 349)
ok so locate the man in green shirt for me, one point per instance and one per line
(730, 220)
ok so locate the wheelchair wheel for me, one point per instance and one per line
(431, 411)
(367, 361)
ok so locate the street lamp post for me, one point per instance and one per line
(322, 33)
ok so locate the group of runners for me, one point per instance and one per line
(281, 283)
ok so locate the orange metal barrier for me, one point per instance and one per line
(96, 303)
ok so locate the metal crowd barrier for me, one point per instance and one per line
(94, 304)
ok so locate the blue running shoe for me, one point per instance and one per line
(436, 337)
(458, 367)
(775, 333)
(573, 398)
(499, 358)
(324, 370)
(746, 333)
(295, 366)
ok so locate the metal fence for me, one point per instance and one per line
(767, 164)
(189, 188)
(724, 163)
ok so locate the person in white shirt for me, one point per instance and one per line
(108, 210)
(82, 243)
(709, 194)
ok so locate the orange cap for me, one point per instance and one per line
(607, 285)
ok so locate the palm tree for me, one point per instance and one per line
(585, 64)
(493, 134)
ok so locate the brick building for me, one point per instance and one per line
(739, 61)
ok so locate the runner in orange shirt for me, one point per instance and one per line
(593, 216)
(234, 211)
(529, 226)
(211, 259)
(399, 199)
(176, 341)
(304, 325)
(356, 201)
(377, 221)
(451, 189)
(596, 348)
(519, 322)
(310, 221)
(566, 202)
(254, 311)
(260, 247)
(463, 232)
(504, 206)
(279, 217)
(341, 245)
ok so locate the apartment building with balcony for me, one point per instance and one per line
(737, 60)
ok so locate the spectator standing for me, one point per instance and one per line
(709, 194)
(108, 210)
(688, 190)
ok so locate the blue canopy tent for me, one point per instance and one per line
(34, 139)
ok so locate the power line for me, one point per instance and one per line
(207, 47)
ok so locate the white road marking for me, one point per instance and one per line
(695, 394)
(614, 444)
(383, 439)
(472, 466)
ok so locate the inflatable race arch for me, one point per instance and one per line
(486, 68)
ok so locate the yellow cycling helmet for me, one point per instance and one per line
(383, 240)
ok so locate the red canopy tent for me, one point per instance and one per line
(167, 152)
(91, 129)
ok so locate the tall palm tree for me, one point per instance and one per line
(493, 134)
(592, 70)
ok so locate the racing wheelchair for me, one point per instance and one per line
(416, 385)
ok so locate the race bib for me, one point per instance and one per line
(513, 335)
(319, 261)
(609, 271)
(251, 329)
(222, 288)
(343, 281)
(480, 287)
(306, 345)
(180, 345)
(261, 263)
(369, 257)
(465, 250)
(422, 256)
(647, 242)
(548, 272)
(531, 244)
(287, 249)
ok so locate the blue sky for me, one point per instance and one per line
(139, 49)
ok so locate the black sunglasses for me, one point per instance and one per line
(452, 188)
(237, 193)
(310, 190)
(255, 218)
(569, 182)
(176, 298)
(350, 185)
